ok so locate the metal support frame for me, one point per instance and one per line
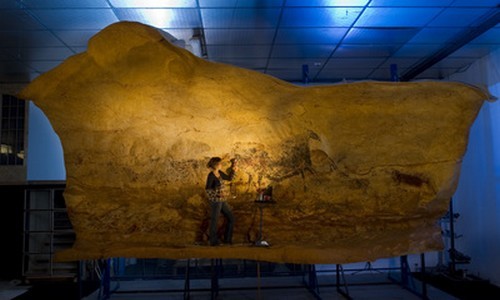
(187, 283)
(309, 280)
(305, 74)
(368, 268)
(260, 242)
(455, 257)
(258, 281)
(488, 21)
(79, 278)
(105, 290)
(394, 72)
(453, 262)
(424, 280)
(261, 221)
(406, 279)
(339, 270)
(214, 287)
(107, 279)
(312, 282)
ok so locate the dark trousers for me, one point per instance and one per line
(217, 208)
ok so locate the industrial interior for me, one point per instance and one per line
(352, 149)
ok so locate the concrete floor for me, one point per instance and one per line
(361, 286)
(11, 289)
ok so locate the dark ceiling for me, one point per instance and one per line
(332, 39)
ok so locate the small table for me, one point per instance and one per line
(261, 204)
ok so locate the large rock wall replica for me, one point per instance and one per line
(359, 171)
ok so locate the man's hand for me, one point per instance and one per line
(234, 164)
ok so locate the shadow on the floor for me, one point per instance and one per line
(58, 290)
(463, 287)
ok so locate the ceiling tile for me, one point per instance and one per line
(20, 77)
(43, 53)
(69, 19)
(9, 4)
(294, 63)
(491, 36)
(302, 51)
(240, 33)
(235, 51)
(162, 18)
(66, 4)
(240, 18)
(367, 51)
(435, 35)
(79, 49)
(180, 34)
(379, 35)
(239, 36)
(44, 66)
(326, 2)
(17, 19)
(458, 17)
(310, 35)
(417, 50)
(28, 39)
(475, 50)
(416, 3)
(14, 67)
(319, 17)
(152, 3)
(4, 55)
(75, 37)
(354, 63)
(396, 16)
(247, 63)
(451, 62)
(476, 3)
(240, 3)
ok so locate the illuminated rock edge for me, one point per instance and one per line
(360, 171)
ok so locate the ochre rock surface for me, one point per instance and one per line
(360, 171)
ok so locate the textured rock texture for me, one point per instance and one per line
(360, 171)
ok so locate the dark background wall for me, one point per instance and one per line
(11, 231)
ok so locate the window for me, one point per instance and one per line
(12, 111)
(47, 230)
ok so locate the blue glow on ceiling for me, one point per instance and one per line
(272, 36)
(396, 17)
(351, 3)
(319, 17)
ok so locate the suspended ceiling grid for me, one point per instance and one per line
(336, 39)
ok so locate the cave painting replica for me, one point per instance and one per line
(359, 171)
